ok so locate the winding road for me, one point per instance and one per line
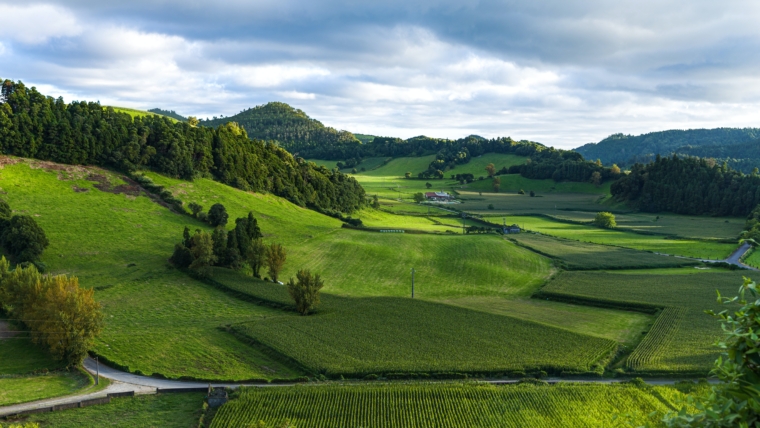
(735, 257)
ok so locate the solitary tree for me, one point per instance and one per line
(203, 254)
(256, 256)
(419, 197)
(305, 292)
(24, 239)
(605, 220)
(490, 169)
(195, 208)
(428, 185)
(596, 178)
(275, 259)
(408, 175)
(192, 121)
(496, 184)
(614, 169)
(217, 215)
(532, 194)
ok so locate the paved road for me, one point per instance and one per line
(735, 257)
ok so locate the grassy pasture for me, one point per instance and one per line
(160, 410)
(14, 390)
(655, 243)
(753, 259)
(139, 113)
(512, 183)
(368, 164)
(576, 255)
(359, 336)
(699, 227)
(514, 204)
(433, 223)
(446, 405)
(477, 165)
(400, 166)
(682, 340)
(158, 320)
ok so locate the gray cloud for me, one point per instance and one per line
(561, 72)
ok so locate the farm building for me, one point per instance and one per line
(438, 196)
(511, 229)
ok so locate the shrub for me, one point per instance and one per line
(217, 215)
(305, 292)
(24, 239)
(490, 206)
(605, 220)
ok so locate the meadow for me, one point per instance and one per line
(139, 113)
(448, 405)
(159, 410)
(681, 340)
(119, 244)
(655, 243)
(511, 203)
(577, 255)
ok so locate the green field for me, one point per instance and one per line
(14, 390)
(447, 405)
(681, 247)
(477, 165)
(576, 255)
(119, 244)
(753, 259)
(513, 204)
(512, 183)
(139, 113)
(160, 410)
(682, 338)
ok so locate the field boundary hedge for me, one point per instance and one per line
(646, 308)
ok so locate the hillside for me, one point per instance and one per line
(732, 144)
(169, 113)
(290, 127)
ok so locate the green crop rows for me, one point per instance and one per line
(691, 350)
(662, 333)
(442, 405)
(576, 255)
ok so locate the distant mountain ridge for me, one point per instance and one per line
(739, 147)
(291, 127)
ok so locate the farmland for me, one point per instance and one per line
(682, 338)
(681, 247)
(446, 405)
(355, 337)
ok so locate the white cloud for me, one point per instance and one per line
(295, 95)
(2, 48)
(37, 23)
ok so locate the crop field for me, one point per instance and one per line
(159, 410)
(379, 264)
(407, 208)
(118, 244)
(700, 227)
(514, 204)
(753, 259)
(444, 405)
(659, 244)
(680, 341)
(624, 327)
(512, 183)
(577, 255)
(359, 336)
(377, 218)
(400, 166)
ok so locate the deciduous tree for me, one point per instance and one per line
(256, 256)
(217, 215)
(605, 220)
(305, 292)
(24, 239)
(275, 260)
(419, 197)
(496, 184)
(490, 170)
(203, 254)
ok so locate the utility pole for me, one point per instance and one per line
(412, 283)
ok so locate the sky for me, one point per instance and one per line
(560, 72)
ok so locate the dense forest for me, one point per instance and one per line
(736, 146)
(169, 113)
(688, 186)
(35, 126)
(291, 128)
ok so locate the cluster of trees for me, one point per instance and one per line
(169, 113)
(737, 143)
(605, 220)
(62, 317)
(688, 186)
(232, 249)
(291, 128)
(21, 236)
(35, 126)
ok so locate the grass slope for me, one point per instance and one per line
(14, 390)
(139, 113)
(160, 410)
(446, 405)
(687, 342)
(158, 320)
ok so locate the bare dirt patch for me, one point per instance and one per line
(80, 189)
(5, 160)
(6, 331)
(103, 184)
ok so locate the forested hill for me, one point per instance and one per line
(724, 144)
(35, 126)
(169, 113)
(688, 186)
(290, 127)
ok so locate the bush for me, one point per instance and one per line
(305, 292)
(605, 220)
(217, 215)
(490, 206)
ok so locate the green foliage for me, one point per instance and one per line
(196, 209)
(62, 317)
(14, 390)
(217, 215)
(736, 401)
(24, 239)
(203, 254)
(605, 220)
(688, 186)
(441, 405)
(45, 128)
(418, 197)
(305, 292)
(168, 113)
(256, 256)
(275, 260)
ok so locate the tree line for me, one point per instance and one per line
(688, 186)
(35, 126)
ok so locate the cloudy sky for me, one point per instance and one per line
(562, 72)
